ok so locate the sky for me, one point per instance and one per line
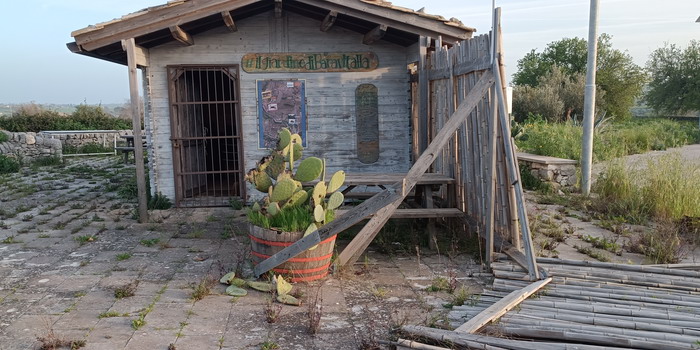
(35, 64)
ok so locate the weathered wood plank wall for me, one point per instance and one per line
(330, 97)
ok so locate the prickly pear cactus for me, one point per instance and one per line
(319, 213)
(298, 198)
(273, 208)
(335, 201)
(288, 299)
(337, 180)
(309, 169)
(283, 190)
(275, 166)
(319, 193)
(285, 137)
(276, 176)
(236, 291)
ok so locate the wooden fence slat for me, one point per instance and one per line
(502, 306)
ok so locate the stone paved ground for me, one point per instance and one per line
(68, 240)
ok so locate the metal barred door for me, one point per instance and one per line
(206, 135)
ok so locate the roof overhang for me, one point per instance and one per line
(179, 20)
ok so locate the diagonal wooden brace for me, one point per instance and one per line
(384, 203)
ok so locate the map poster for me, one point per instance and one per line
(281, 104)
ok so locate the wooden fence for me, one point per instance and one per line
(461, 130)
(480, 155)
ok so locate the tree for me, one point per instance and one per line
(558, 96)
(675, 79)
(617, 75)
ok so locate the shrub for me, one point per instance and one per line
(159, 201)
(85, 117)
(666, 189)
(48, 161)
(87, 148)
(3, 137)
(8, 165)
(563, 139)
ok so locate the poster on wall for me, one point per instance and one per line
(281, 104)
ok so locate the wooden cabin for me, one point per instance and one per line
(221, 77)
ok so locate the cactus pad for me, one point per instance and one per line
(273, 209)
(283, 287)
(236, 291)
(238, 282)
(298, 198)
(319, 193)
(336, 200)
(337, 180)
(319, 213)
(309, 169)
(310, 230)
(288, 299)
(283, 190)
(285, 137)
(228, 278)
(275, 166)
(260, 286)
(296, 139)
(255, 207)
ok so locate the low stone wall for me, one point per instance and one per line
(78, 139)
(27, 145)
(559, 173)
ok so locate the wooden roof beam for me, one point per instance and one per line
(407, 22)
(329, 21)
(140, 54)
(375, 34)
(150, 21)
(182, 36)
(228, 20)
(278, 8)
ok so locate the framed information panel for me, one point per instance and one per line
(281, 104)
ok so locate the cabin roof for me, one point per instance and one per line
(180, 19)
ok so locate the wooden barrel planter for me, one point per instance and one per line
(307, 266)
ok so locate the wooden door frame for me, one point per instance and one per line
(175, 130)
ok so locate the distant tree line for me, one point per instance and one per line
(551, 83)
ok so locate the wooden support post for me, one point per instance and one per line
(423, 92)
(375, 34)
(491, 178)
(385, 202)
(228, 20)
(502, 306)
(512, 203)
(514, 177)
(182, 36)
(278, 8)
(129, 46)
(432, 231)
(329, 21)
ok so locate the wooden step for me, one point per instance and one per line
(422, 213)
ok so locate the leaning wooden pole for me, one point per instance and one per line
(513, 173)
(129, 46)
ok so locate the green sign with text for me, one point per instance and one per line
(309, 62)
